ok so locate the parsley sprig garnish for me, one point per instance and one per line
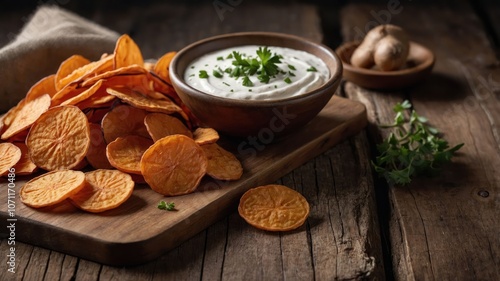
(169, 206)
(413, 148)
(264, 65)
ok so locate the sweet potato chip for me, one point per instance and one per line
(125, 153)
(25, 114)
(104, 190)
(161, 68)
(46, 85)
(127, 53)
(59, 139)
(122, 121)
(98, 100)
(89, 70)
(205, 136)
(222, 164)
(160, 125)
(69, 91)
(24, 166)
(96, 155)
(126, 70)
(174, 165)
(274, 208)
(51, 188)
(145, 102)
(83, 95)
(11, 154)
(67, 67)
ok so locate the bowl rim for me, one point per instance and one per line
(394, 73)
(335, 75)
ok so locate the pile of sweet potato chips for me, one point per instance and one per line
(118, 118)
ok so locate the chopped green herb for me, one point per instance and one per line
(249, 90)
(192, 67)
(288, 80)
(228, 70)
(220, 58)
(230, 56)
(166, 206)
(216, 73)
(291, 67)
(247, 82)
(413, 148)
(312, 69)
(276, 86)
(291, 73)
(226, 84)
(203, 74)
(232, 90)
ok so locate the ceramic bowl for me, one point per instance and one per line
(244, 118)
(419, 64)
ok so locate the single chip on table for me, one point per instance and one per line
(67, 67)
(103, 190)
(96, 155)
(59, 139)
(11, 154)
(174, 165)
(205, 136)
(127, 52)
(160, 125)
(222, 164)
(124, 120)
(25, 114)
(51, 188)
(274, 208)
(124, 153)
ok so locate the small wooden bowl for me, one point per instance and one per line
(264, 118)
(419, 64)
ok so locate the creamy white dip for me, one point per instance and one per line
(299, 73)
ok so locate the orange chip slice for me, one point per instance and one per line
(160, 125)
(205, 136)
(88, 70)
(222, 164)
(67, 67)
(145, 102)
(122, 121)
(59, 139)
(26, 114)
(96, 155)
(98, 100)
(87, 93)
(69, 91)
(127, 52)
(24, 166)
(46, 85)
(104, 190)
(52, 188)
(125, 153)
(274, 208)
(126, 70)
(174, 165)
(161, 67)
(11, 154)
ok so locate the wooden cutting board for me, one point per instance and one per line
(138, 231)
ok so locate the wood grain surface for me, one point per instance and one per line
(445, 228)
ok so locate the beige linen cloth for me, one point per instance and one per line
(50, 36)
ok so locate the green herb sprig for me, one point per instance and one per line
(169, 206)
(264, 66)
(413, 148)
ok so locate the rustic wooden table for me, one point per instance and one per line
(444, 228)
